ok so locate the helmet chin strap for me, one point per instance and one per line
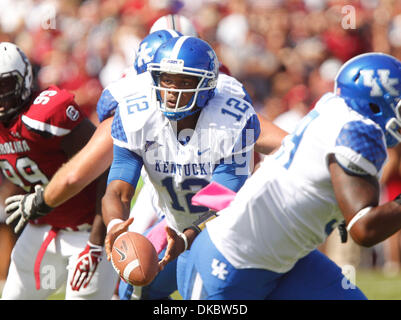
(178, 116)
(175, 114)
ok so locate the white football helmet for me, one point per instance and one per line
(16, 80)
(176, 22)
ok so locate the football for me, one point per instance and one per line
(134, 258)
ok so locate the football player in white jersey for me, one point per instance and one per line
(145, 210)
(78, 172)
(263, 245)
(183, 131)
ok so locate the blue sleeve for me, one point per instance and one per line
(231, 173)
(365, 140)
(247, 97)
(250, 133)
(225, 175)
(117, 129)
(106, 105)
(126, 166)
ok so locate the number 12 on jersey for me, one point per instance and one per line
(186, 185)
(241, 107)
(137, 104)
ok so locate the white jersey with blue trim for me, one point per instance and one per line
(178, 170)
(288, 206)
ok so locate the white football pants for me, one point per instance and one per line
(57, 267)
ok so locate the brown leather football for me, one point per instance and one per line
(134, 258)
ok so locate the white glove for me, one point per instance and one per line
(23, 208)
(86, 266)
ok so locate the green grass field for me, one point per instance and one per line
(374, 284)
(377, 286)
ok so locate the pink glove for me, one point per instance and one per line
(158, 236)
(86, 266)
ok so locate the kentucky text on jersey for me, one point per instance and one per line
(188, 169)
(206, 143)
(14, 147)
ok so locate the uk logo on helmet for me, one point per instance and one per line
(384, 82)
(144, 54)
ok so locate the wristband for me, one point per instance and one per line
(112, 223)
(200, 224)
(94, 246)
(194, 228)
(42, 207)
(358, 216)
(184, 237)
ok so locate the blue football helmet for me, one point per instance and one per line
(107, 105)
(187, 56)
(370, 84)
(149, 45)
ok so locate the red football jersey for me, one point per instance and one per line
(30, 153)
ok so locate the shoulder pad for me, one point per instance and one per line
(131, 84)
(136, 119)
(230, 86)
(232, 122)
(106, 106)
(362, 144)
(53, 112)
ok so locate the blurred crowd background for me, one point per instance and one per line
(286, 52)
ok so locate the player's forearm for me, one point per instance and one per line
(270, 136)
(377, 224)
(98, 232)
(123, 177)
(87, 165)
(113, 208)
(62, 186)
(358, 197)
(69, 180)
(116, 202)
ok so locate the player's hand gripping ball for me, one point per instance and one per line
(134, 258)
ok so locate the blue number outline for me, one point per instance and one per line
(185, 185)
(297, 135)
(232, 102)
(131, 106)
